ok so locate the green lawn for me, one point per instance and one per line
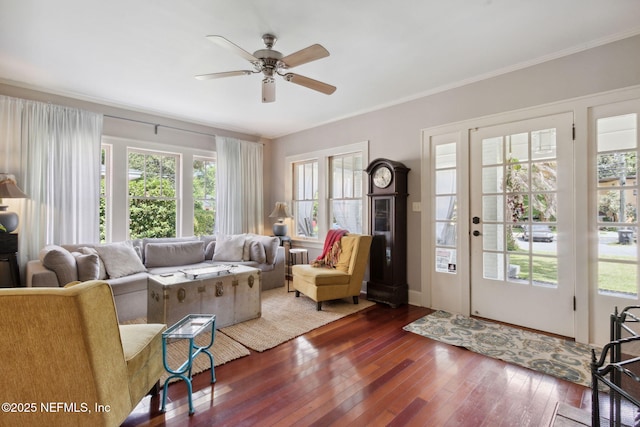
(612, 276)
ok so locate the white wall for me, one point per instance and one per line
(395, 132)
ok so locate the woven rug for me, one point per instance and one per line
(224, 350)
(560, 358)
(285, 317)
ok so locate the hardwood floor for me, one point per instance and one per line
(365, 370)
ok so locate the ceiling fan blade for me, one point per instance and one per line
(223, 74)
(230, 46)
(268, 89)
(310, 83)
(305, 55)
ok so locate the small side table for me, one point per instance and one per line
(8, 251)
(293, 260)
(188, 328)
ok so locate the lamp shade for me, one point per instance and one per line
(9, 190)
(8, 187)
(281, 211)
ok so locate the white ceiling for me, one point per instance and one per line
(143, 54)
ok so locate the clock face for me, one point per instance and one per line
(382, 177)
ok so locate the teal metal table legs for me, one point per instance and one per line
(188, 328)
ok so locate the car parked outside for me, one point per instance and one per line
(539, 233)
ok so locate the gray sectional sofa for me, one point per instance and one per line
(127, 265)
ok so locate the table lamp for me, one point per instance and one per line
(9, 190)
(281, 211)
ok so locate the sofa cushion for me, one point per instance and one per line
(229, 248)
(61, 262)
(88, 266)
(120, 259)
(321, 276)
(171, 254)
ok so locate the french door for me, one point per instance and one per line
(521, 209)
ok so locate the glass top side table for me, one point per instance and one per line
(188, 328)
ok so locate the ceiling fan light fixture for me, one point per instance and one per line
(268, 89)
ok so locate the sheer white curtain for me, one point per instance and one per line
(54, 151)
(239, 186)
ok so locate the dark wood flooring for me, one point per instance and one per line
(364, 370)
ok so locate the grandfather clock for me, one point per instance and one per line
(388, 207)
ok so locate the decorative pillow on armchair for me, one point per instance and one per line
(120, 259)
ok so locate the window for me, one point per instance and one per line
(105, 191)
(327, 190)
(153, 202)
(346, 192)
(617, 149)
(446, 203)
(204, 196)
(305, 198)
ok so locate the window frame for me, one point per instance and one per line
(323, 156)
(207, 159)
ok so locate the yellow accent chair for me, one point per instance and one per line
(65, 361)
(345, 280)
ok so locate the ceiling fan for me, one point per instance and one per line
(270, 62)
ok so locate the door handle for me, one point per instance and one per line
(476, 233)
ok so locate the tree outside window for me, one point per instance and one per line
(152, 194)
(204, 196)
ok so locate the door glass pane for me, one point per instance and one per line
(544, 176)
(493, 266)
(619, 278)
(493, 237)
(492, 179)
(518, 147)
(492, 151)
(518, 268)
(492, 208)
(543, 144)
(446, 234)
(617, 133)
(544, 271)
(445, 156)
(617, 195)
(446, 208)
(446, 182)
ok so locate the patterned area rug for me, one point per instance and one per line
(564, 359)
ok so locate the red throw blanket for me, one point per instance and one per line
(331, 249)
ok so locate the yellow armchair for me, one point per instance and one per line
(65, 361)
(345, 280)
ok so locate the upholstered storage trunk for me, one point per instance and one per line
(233, 297)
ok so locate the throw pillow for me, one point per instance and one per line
(271, 245)
(61, 262)
(120, 259)
(229, 248)
(257, 252)
(208, 252)
(173, 254)
(102, 273)
(88, 266)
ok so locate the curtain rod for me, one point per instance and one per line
(156, 126)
